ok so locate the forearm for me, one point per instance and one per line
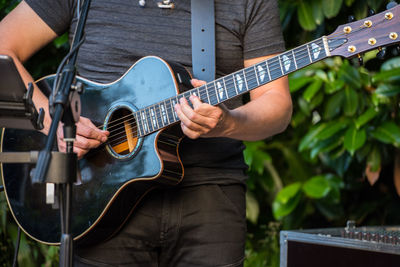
(263, 117)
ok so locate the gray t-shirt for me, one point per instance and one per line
(119, 32)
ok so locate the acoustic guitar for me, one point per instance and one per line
(142, 150)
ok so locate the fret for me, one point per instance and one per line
(302, 59)
(245, 80)
(261, 73)
(234, 83)
(255, 71)
(280, 64)
(170, 110)
(174, 114)
(212, 93)
(149, 119)
(138, 124)
(251, 80)
(288, 62)
(294, 59)
(199, 95)
(269, 73)
(220, 91)
(275, 68)
(164, 114)
(230, 86)
(226, 91)
(159, 116)
(154, 118)
(309, 54)
(144, 121)
(208, 97)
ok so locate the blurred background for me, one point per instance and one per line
(338, 160)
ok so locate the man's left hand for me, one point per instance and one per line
(203, 120)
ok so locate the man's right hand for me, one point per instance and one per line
(88, 136)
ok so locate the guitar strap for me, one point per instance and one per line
(203, 39)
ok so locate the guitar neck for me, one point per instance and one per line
(162, 114)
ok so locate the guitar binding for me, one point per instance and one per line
(123, 142)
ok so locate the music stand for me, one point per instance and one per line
(16, 107)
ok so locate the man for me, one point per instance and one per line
(202, 221)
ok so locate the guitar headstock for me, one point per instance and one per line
(367, 34)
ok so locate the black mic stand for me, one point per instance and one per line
(64, 106)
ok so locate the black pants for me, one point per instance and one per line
(190, 226)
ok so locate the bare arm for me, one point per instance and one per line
(23, 33)
(268, 113)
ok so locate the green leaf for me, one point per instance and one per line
(62, 40)
(374, 159)
(334, 105)
(366, 117)
(354, 139)
(387, 75)
(350, 101)
(309, 139)
(297, 83)
(286, 200)
(331, 128)
(255, 156)
(317, 11)
(349, 2)
(334, 86)
(311, 90)
(331, 7)
(252, 208)
(350, 75)
(386, 89)
(305, 15)
(326, 145)
(388, 133)
(317, 187)
(390, 64)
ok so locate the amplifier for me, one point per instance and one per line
(336, 247)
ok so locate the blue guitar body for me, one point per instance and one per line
(116, 176)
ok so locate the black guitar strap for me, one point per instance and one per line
(203, 39)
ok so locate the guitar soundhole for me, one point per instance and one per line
(123, 140)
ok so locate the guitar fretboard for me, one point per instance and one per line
(162, 114)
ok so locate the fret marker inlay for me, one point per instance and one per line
(316, 50)
(239, 82)
(220, 90)
(286, 62)
(261, 72)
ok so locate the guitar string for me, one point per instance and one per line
(134, 134)
(202, 95)
(226, 80)
(272, 66)
(116, 138)
(271, 69)
(266, 61)
(203, 92)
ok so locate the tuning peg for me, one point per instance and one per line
(360, 60)
(351, 18)
(371, 12)
(391, 5)
(382, 53)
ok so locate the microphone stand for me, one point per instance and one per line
(66, 107)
